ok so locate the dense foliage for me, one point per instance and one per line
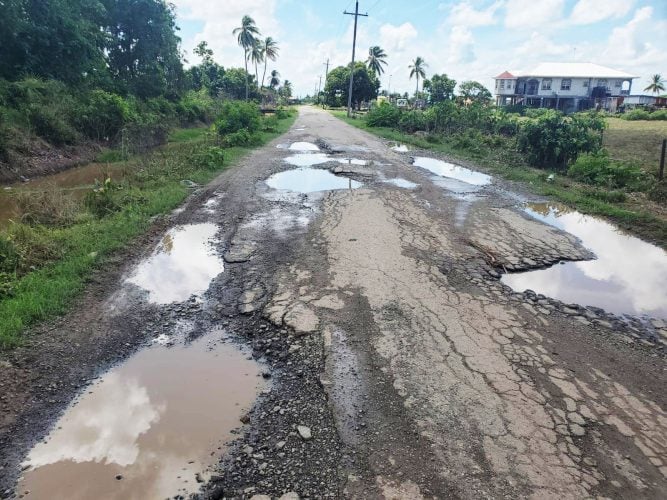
(365, 85)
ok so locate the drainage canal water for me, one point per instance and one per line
(149, 428)
(309, 180)
(628, 276)
(182, 265)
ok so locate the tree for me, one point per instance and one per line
(286, 90)
(204, 52)
(440, 88)
(232, 84)
(474, 91)
(256, 55)
(365, 85)
(275, 79)
(657, 84)
(376, 59)
(418, 70)
(271, 50)
(246, 35)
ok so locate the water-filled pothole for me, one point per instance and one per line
(149, 426)
(303, 146)
(182, 265)
(307, 160)
(402, 183)
(309, 180)
(445, 169)
(628, 276)
(400, 148)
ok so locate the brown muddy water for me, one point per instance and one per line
(150, 427)
(183, 264)
(629, 276)
(77, 180)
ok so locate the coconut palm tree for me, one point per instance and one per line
(246, 35)
(256, 55)
(657, 84)
(270, 48)
(418, 70)
(376, 58)
(275, 79)
(286, 90)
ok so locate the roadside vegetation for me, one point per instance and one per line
(554, 155)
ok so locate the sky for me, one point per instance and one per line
(467, 40)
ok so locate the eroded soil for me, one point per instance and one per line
(400, 365)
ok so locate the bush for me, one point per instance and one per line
(101, 200)
(283, 113)
(236, 116)
(384, 115)
(412, 121)
(598, 169)
(660, 115)
(52, 207)
(536, 112)
(270, 123)
(210, 158)
(9, 257)
(470, 140)
(103, 115)
(636, 114)
(555, 140)
(49, 124)
(242, 138)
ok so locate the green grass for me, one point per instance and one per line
(634, 217)
(187, 134)
(636, 141)
(155, 189)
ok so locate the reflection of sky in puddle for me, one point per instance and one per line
(303, 146)
(183, 264)
(629, 275)
(308, 180)
(402, 183)
(452, 171)
(146, 420)
(352, 161)
(400, 148)
(307, 160)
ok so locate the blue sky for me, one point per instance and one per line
(468, 40)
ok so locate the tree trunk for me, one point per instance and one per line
(245, 58)
(264, 74)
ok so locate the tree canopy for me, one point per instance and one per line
(474, 91)
(440, 88)
(364, 88)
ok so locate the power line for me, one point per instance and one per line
(354, 46)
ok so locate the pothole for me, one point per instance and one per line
(402, 183)
(307, 160)
(400, 148)
(628, 276)
(352, 161)
(150, 427)
(182, 265)
(449, 170)
(303, 146)
(309, 180)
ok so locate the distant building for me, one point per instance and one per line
(645, 100)
(568, 87)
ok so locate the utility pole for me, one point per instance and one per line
(326, 74)
(354, 45)
(319, 89)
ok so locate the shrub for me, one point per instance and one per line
(236, 116)
(598, 169)
(470, 140)
(636, 114)
(9, 257)
(412, 121)
(659, 115)
(49, 124)
(210, 158)
(384, 115)
(270, 123)
(242, 138)
(34, 247)
(283, 113)
(51, 207)
(536, 112)
(103, 115)
(101, 200)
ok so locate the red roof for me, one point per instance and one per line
(505, 76)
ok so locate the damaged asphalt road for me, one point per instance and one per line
(397, 364)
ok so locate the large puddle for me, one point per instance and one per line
(629, 275)
(307, 159)
(303, 146)
(182, 265)
(449, 170)
(402, 183)
(310, 180)
(149, 428)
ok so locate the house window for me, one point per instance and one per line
(602, 83)
(546, 84)
(509, 84)
(565, 84)
(586, 82)
(617, 84)
(497, 83)
(502, 84)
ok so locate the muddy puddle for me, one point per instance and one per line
(148, 428)
(451, 171)
(402, 183)
(77, 181)
(183, 264)
(629, 275)
(307, 160)
(400, 148)
(303, 146)
(309, 180)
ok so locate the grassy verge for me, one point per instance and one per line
(54, 261)
(635, 215)
(636, 141)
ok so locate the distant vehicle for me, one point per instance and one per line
(402, 103)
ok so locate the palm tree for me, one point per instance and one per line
(246, 34)
(256, 55)
(270, 48)
(417, 69)
(287, 89)
(376, 58)
(657, 84)
(275, 79)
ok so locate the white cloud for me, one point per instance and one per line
(592, 11)
(546, 47)
(464, 14)
(531, 13)
(461, 45)
(396, 38)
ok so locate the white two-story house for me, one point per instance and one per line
(568, 87)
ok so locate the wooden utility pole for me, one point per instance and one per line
(661, 175)
(354, 45)
(326, 73)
